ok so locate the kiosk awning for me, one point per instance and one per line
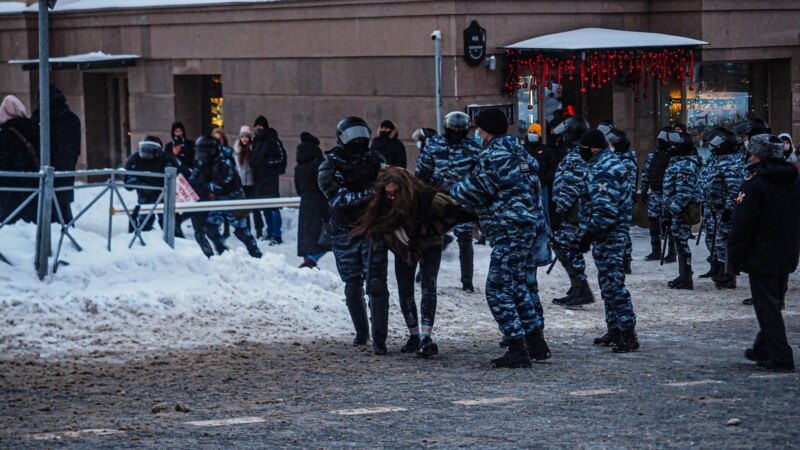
(603, 38)
(94, 60)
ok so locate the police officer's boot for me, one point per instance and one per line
(516, 356)
(671, 254)
(628, 342)
(684, 280)
(655, 240)
(465, 257)
(583, 295)
(575, 283)
(723, 279)
(712, 271)
(249, 241)
(354, 298)
(610, 339)
(212, 231)
(379, 314)
(537, 346)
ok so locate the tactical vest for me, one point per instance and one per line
(658, 165)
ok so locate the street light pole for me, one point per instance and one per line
(437, 38)
(46, 193)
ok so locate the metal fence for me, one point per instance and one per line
(165, 204)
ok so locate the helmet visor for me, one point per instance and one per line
(671, 136)
(354, 133)
(605, 129)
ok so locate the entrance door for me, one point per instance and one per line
(108, 138)
(198, 103)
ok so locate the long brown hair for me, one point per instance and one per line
(245, 151)
(385, 216)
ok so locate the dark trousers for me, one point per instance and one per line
(770, 344)
(258, 214)
(429, 266)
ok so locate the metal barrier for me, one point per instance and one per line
(165, 204)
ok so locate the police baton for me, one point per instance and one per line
(552, 264)
(700, 232)
(666, 243)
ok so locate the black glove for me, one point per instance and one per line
(726, 215)
(556, 221)
(586, 242)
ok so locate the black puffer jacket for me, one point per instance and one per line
(16, 156)
(547, 162)
(765, 225)
(136, 163)
(392, 150)
(186, 153)
(347, 181)
(65, 140)
(313, 205)
(268, 163)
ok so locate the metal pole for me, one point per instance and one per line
(437, 38)
(44, 85)
(43, 222)
(112, 186)
(169, 205)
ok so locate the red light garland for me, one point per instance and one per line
(599, 68)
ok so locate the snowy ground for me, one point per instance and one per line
(130, 302)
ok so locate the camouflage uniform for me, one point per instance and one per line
(346, 182)
(510, 216)
(566, 192)
(703, 179)
(655, 204)
(443, 164)
(606, 213)
(723, 187)
(680, 180)
(628, 160)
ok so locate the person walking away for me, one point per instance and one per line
(680, 204)
(446, 160)
(215, 171)
(605, 218)
(346, 177)
(149, 157)
(501, 192)
(269, 163)
(19, 152)
(764, 241)
(65, 148)
(389, 146)
(313, 215)
(412, 219)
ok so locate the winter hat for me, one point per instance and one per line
(12, 107)
(492, 121)
(594, 138)
(388, 124)
(261, 121)
(766, 146)
(535, 128)
(245, 131)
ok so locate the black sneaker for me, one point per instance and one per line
(427, 347)
(358, 342)
(412, 345)
(610, 339)
(379, 349)
(751, 355)
(468, 288)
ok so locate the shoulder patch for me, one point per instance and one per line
(740, 198)
(525, 168)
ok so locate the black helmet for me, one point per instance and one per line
(666, 137)
(150, 147)
(682, 143)
(456, 126)
(351, 128)
(722, 141)
(572, 128)
(618, 139)
(606, 126)
(205, 148)
(752, 127)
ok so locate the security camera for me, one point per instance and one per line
(437, 34)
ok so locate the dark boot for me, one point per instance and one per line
(249, 241)
(574, 282)
(655, 240)
(516, 356)
(200, 237)
(684, 280)
(583, 295)
(212, 231)
(427, 347)
(354, 298)
(628, 342)
(537, 346)
(610, 339)
(465, 257)
(626, 265)
(671, 253)
(712, 271)
(308, 263)
(723, 279)
(379, 314)
(412, 344)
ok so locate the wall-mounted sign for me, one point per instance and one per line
(508, 109)
(474, 44)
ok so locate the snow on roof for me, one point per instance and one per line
(11, 7)
(596, 38)
(77, 59)
(75, 5)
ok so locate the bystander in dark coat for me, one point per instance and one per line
(313, 204)
(19, 147)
